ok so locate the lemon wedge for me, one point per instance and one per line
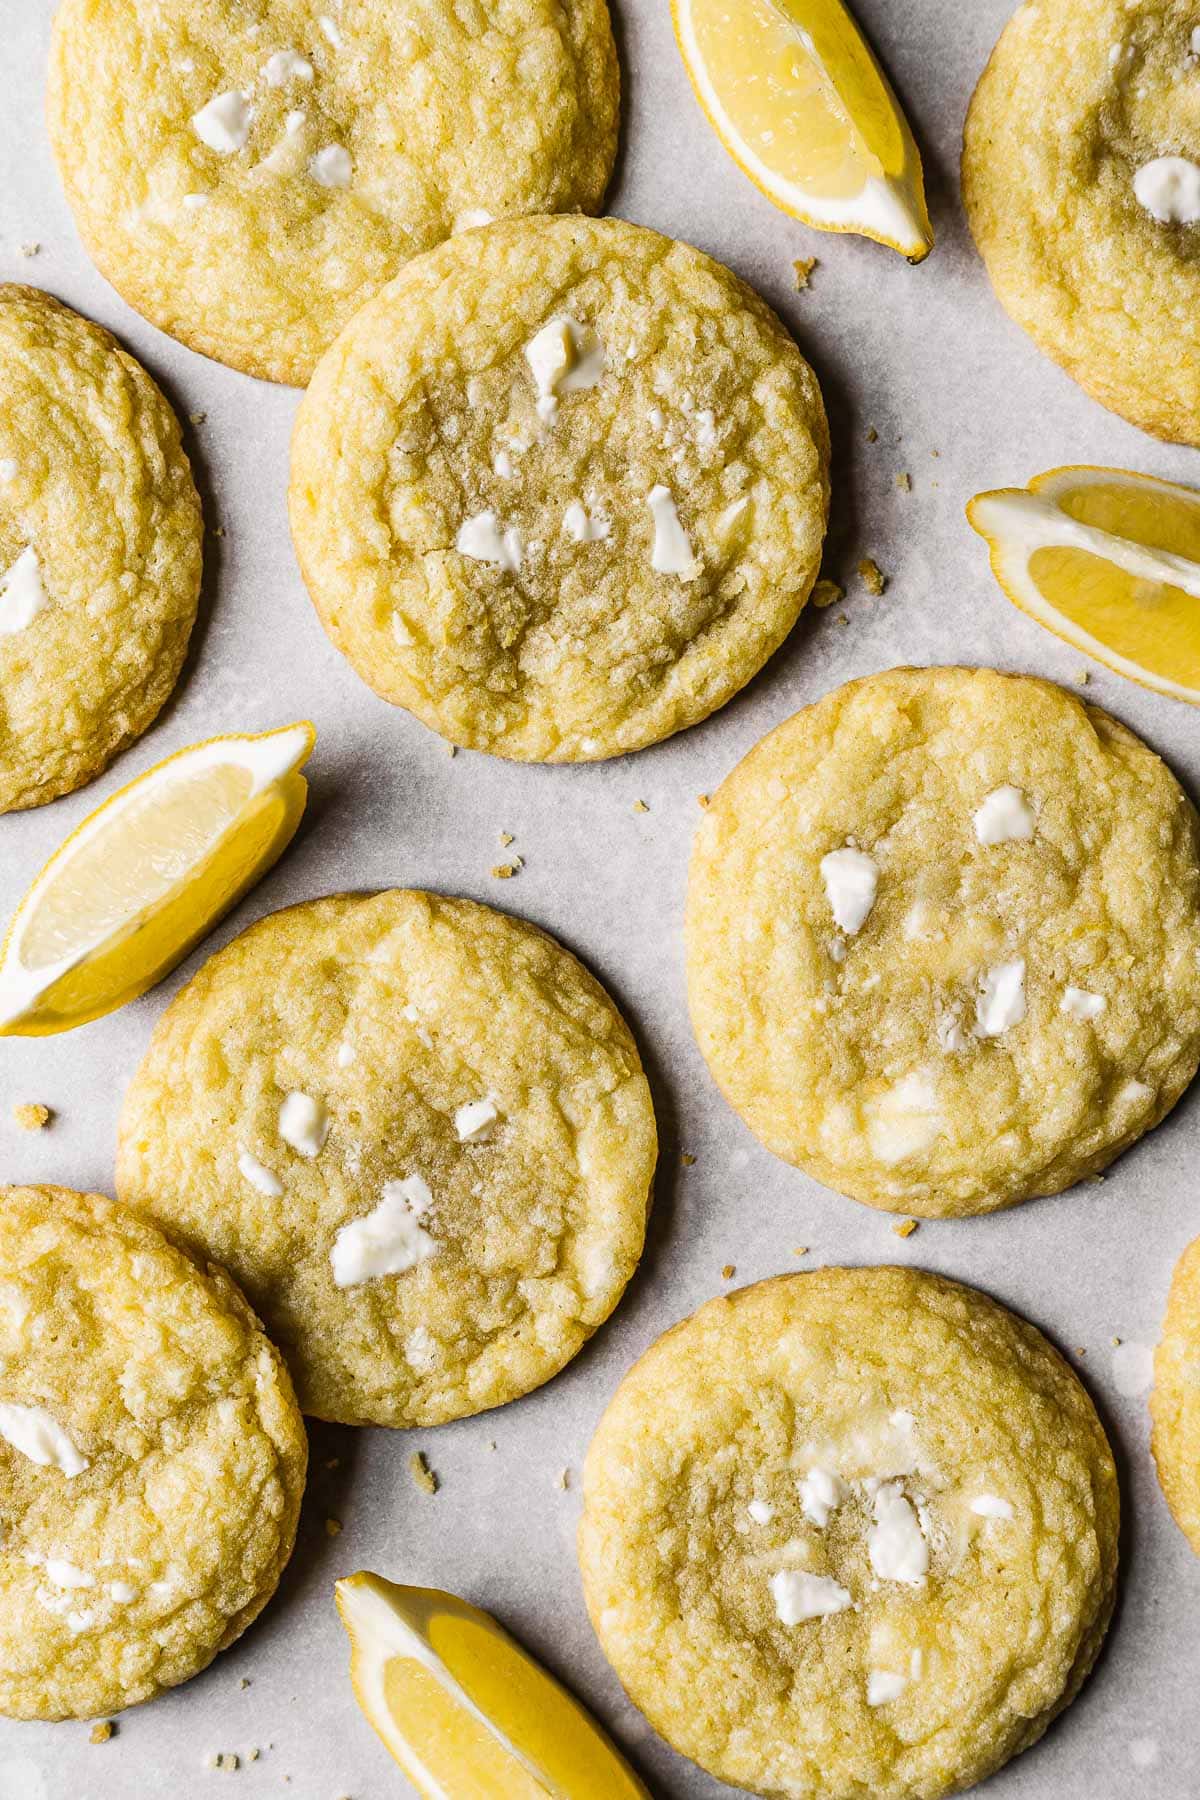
(796, 97)
(462, 1708)
(1108, 560)
(146, 875)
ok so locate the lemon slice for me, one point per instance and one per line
(1108, 560)
(462, 1708)
(793, 92)
(146, 875)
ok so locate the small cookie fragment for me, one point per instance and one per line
(905, 1228)
(505, 871)
(101, 1731)
(802, 267)
(31, 1115)
(827, 593)
(422, 1474)
(872, 576)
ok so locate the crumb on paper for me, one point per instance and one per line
(452, 749)
(218, 531)
(227, 1760)
(872, 435)
(687, 1159)
(563, 1479)
(244, 1682)
(422, 1474)
(333, 1528)
(506, 838)
(704, 801)
(802, 268)
(1116, 1343)
(800, 1250)
(728, 1272)
(905, 1228)
(504, 871)
(33, 248)
(872, 576)
(197, 418)
(840, 619)
(904, 482)
(253, 1755)
(333, 1462)
(1083, 677)
(101, 1731)
(31, 1115)
(640, 806)
(491, 1443)
(827, 593)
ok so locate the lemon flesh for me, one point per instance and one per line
(1108, 560)
(146, 876)
(800, 103)
(463, 1709)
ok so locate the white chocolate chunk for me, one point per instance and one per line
(585, 527)
(672, 547)
(820, 1493)
(475, 1121)
(420, 1348)
(895, 1543)
(330, 29)
(904, 1120)
(471, 218)
(387, 1240)
(123, 1592)
(761, 1512)
(1079, 1004)
(22, 593)
(502, 464)
(192, 201)
(991, 1506)
(851, 880)
(346, 1054)
(484, 539)
(1169, 189)
(799, 1596)
(8, 470)
(304, 1123)
(565, 358)
(285, 66)
(332, 167)
(884, 1686)
(39, 1436)
(1001, 1000)
(224, 124)
(259, 1176)
(67, 1574)
(1005, 817)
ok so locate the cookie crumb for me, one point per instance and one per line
(101, 1731)
(827, 593)
(704, 801)
(333, 1462)
(452, 749)
(218, 531)
(244, 1682)
(333, 1528)
(1083, 677)
(422, 1474)
(640, 806)
(800, 1250)
(872, 576)
(1116, 1342)
(872, 435)
(228, 1760)
(904, 482)
(802, 268)
(728, 1272)
(905, 1228)
(504, 871)
(506, 838)
(253, 1755)
(197, 418)
(563, 1479)
(687, 1159)
(31, 249)
(31, 1115)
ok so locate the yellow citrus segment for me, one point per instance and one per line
(1108, 560)
(147, 875)
(463, 1709)
(798, 100)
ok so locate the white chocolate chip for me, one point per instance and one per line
(851, 880)
(1001, 1000)
(884, 1686)
(475, 1121)
(760, 1512)
(799, 1596)
(346, 1054)
(332, 167)
(565, 357)
(895, 1543)
(502, 463)
(259, 1176)
(38, 1435)
(1079, 1004)
(905, 1119)
(285, 66)
(8, 469)
(672, 553)
(991, 1506)
(1005, 817)
(330, 29)
(123, 1592)
(1169, 189)
(192, 201)
(471, 218)
(67, 1574)
(387, 1240)
(820, 1493)
(484, 539)
(22, 593)
(585, 527)
(304, 1123)
(224, 124)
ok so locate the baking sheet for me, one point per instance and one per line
(960, 401)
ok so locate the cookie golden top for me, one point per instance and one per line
(100, 537)
(1084, 198)
(417, 1132)
(152, 1459)
(943, 939)
(1175, 1402)
(561, 488)
(850, 1532)
(247, 175)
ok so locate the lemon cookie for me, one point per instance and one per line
(100, 536)
(1081, 176)
(152, 1459)
(560, 490)
(1175, 1401)
(850, 1532)
(419, 1134)
(246, 173)
(943, 940)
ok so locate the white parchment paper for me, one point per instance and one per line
(960, 401)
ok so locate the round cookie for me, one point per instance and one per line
(152, 1459)
(943, 940)
(560, 490)
(850, 1532)
(246, 175)
(1083, 191)
(1175, 1400)
(97, 601)
(417, 1132)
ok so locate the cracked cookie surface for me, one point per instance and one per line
(97, 602)
(850, 1533)
(152, 1459)
(246, 173)
(1089, 229)
(417, 1132)
(561, 489)
(1175, 1400)
(943, 940)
